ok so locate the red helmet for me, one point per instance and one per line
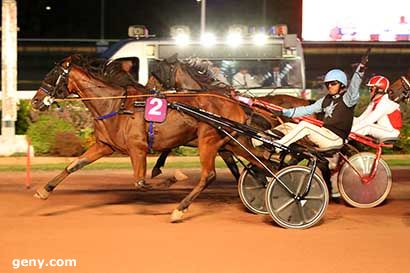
(380, 82)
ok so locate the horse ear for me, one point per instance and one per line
(66, 63)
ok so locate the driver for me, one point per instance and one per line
(337, 106)
(382, 117)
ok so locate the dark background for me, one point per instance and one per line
(69, 19)
(81, 18)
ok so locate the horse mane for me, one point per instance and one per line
(90, 63)
(108, 71)
(201, 71)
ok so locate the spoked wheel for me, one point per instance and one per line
(364, 195)
(347, 150)
(252, 187)
(286, 202)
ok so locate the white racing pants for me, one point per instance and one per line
(378, 131)
(321, 136)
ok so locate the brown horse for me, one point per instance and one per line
(128, 133)
(188, 75)
(196, 75)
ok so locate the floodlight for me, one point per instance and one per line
(260, 39)
(180, 34)
(234, 39)
(208, 39)
(182, 39)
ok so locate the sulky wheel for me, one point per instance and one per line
(286, 203)
(359, 194)
(251, 187)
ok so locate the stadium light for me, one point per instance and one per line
(181, 34)
(260, 39)
(208, 39)
(234, 39)
(182, 39)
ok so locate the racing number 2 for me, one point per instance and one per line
(155, 109)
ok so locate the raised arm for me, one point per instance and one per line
(304, 110)
(351, 97)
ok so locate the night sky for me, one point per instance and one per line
(81, 18)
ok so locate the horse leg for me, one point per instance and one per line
(160, 163)
(208, 150)
(230, 162)
(139, 164)
(178, 175)
(95, 152)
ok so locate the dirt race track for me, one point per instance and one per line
(97, 218)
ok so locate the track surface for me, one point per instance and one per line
(98, 219)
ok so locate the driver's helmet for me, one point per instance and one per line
(336, 75)
(381, 83)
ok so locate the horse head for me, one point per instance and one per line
(170, 73)
(191, 74)
(205, 74)
(399, 91)
(54, 86)
(163, 73)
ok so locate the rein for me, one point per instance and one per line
(166, 94)
(169, 94)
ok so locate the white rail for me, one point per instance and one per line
(23, 94)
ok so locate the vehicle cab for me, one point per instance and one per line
(274, 63)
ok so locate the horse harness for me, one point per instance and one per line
(165, 75)
(52, 90)
(63, 72)
(405, 96)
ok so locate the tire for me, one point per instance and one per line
(252, 187)
(298, 212)
(361, 195)
(347, 150)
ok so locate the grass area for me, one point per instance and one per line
(103, 166)
(398, 162)
(127, 166)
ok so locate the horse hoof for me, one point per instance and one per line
(42, 194)
(180, 175)
(177, 215)
(142, 185)
(155, 172)
(168, 182)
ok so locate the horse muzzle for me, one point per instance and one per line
(40, 105)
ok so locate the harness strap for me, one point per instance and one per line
(150, 135)
(124, 99)
(109, 115)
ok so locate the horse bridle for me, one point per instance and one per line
(168, 82)
(405, 96)
(406, 83)
(51, 90)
